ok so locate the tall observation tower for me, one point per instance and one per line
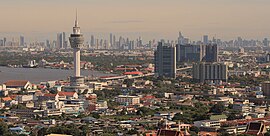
(76, 41)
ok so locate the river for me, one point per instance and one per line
(37, 75)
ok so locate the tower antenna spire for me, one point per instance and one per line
(76, 21)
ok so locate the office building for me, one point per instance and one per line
(211, 53)
(210, 72)
(127, 99)
(59, 41)
(165, 60)
(111, 39)
(265, 42)
(4, 41)
(48, 44)
(22, 41)
(181, 39)
(189, 53)
(65, 42)
(1, 42)
(196, 53)
(266, 88)
(205, 40)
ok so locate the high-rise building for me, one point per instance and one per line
(65, 42)
(181, 39)
(205, 40)
(76, 41)
(114, 42)
(111, 39)
(165, 60)
(59, 41)
(210, 72)
(1, 42)
(196, 53)
(266, 88)
(211, 53)
(22, 41)
(265, 42)
(189, 53)
(92, 41)
(4, 41)
(48, 45)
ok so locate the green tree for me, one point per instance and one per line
(218, 108)
(194, 129)
(3, 128)
(145, 111)
(95, 115)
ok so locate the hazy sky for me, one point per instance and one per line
(224, 19)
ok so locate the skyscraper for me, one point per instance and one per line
(205, 40)
(210, 72)
(189, 53)
(266, 88)
(265, 42)
(48, 45)
(59, 41)
(65, 43)
(111, 39)
(165, 60)
(211, 53)
(181, 39)
(92, 41)
(196, 53)
(22, 41)
(114, 42)
(1, 42)
(76, 41)
(4, 41)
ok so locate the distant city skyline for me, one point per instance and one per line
(150, 19)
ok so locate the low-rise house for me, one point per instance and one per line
(167, 114)
(220, 118)
(18, 84)
(24, 98)
(207, 123)
(47, 97)
(67, 95)
(101, 105)
(19, 130)
(7, 102)
(256, 128)
(224, 100)
(127, 99)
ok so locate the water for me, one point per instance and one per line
(36, 75)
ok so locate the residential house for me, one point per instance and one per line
(18, 84)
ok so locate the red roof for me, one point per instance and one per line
(70, 94)
(16, 83)
(50, 95)
(6, 99)
(133, 73)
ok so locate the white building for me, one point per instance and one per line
(128, 100)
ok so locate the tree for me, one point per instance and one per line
(3, 128)
(218, 108)
(267, 133)
(95, 115)
(194, 129)
(145, 111)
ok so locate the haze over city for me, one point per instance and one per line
(134, 68)
(226, 19)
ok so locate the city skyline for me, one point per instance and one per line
(150, 19)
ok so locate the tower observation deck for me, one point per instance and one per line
(76, 40)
